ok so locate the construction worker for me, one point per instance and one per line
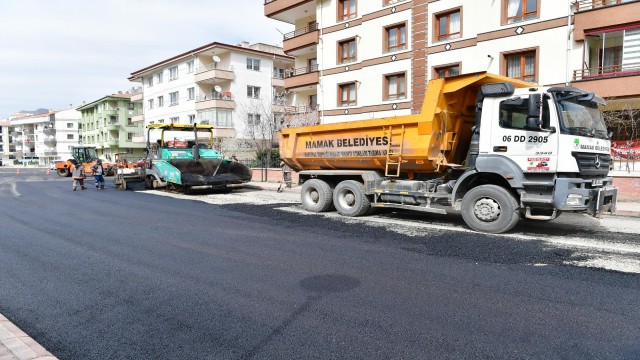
(78, 177)
(98, 174)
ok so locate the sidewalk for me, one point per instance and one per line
(15, 344)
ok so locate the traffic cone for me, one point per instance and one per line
(18, 172)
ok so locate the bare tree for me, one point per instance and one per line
(625, 125)
(261, 123)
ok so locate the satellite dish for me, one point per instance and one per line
(216, 58)
(217, 88)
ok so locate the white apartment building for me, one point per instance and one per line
(43, 138)
(218, 84)
(530, 40)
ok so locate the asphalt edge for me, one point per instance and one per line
(16, 344)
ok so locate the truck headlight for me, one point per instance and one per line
(574, 200)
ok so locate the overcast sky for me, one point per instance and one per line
(59, 52)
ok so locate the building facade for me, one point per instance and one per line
(358, 59)
(228, 86)
(107, 124)
(43, 138)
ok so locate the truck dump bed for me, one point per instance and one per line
(422, 143)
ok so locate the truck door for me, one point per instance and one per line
(534, 150)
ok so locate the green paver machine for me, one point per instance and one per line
(183, 158)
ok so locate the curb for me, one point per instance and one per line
(16, 344)
(627, 213)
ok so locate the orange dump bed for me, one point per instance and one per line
(425, 142)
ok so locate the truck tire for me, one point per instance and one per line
(490, 209)
(350, 200)
(316, 195)
(64, 172)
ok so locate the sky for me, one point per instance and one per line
(56, 53)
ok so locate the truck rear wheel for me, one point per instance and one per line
(316, 195)
(350, 200)
(490, 209)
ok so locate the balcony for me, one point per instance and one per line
(301, 116)
(49, 130)
(137, 115)
(610, 81)
(306, 76)
(136, 94)
(223, 100)
(112, 142)
(289, 10)
(50, 142)
(300, 39)
(113, 126)
(600, 14)
(210, 74)
(50, 153)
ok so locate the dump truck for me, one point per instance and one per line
(85, 155)
(184, 159)
(491, 148)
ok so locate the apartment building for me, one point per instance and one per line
(232, 87)
(7, 149)
(354, 59)
(42, 138)
(359, 59)
(108, 124)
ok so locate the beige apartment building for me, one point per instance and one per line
(362, 59)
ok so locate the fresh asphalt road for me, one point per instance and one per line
(131, 275)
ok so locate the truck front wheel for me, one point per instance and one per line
(316, 195)
(350, 200)
(490, 209)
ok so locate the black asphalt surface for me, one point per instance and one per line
(128, 275)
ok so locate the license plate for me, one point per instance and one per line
(597, 182)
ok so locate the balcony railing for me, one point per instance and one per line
(212, 66)
(301, 31)
(304, 109)
(606, 71)
(224, 95)
(300, 71)
(584, 5)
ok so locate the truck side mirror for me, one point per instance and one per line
(533, 122)
(534, 106)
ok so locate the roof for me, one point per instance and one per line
(137, 73)
(103, 99)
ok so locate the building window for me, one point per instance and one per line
(448, 25)
(395, 86)
(253, 64)
(174, 120)
(173, 98)
(253, 119)
(253, 92)
(173, 73)
(519, 10)
(129, 121)
(129, 136)
(347, 94)
(346, 9)
(396, 37)
(69, 125)
(69, 136)
(160, 101)
(347, 51)
(191, 93)
(521, 65)
(159, 77)
(192, 118)
(446, 71)
(190, 66)
(150, 81)
(150, 103)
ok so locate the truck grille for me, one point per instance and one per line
(592, 164)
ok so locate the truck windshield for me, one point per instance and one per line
(582, 118)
